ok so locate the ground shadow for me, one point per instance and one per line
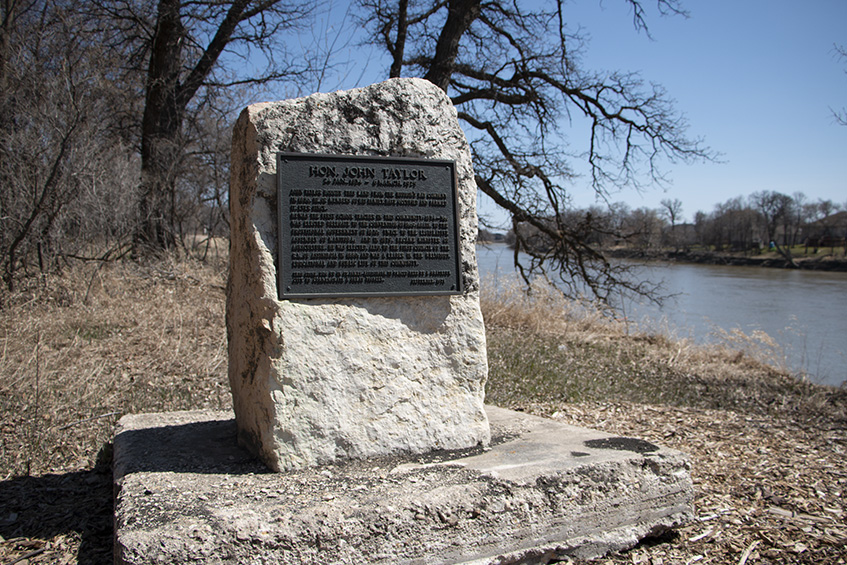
(80, 505)
(77, 504)
(205, 447)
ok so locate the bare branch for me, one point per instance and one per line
(515, 75)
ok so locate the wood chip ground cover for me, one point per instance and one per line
(769, 463)
(767, 489)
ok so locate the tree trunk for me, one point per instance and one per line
(160, 129)
(460, 16)
(400, 43)
(164, 110)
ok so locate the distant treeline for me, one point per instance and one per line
(764, 220)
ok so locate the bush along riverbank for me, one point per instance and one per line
(81, 349)
(816, 262)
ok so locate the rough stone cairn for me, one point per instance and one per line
(322, 379)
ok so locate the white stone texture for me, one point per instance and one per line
(185, 493)
(318, 380)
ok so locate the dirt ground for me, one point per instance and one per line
(767, 491)
(770, 474)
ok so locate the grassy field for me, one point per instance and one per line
(81, 349)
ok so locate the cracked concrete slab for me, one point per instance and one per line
(185, 492)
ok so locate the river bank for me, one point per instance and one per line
(767, 449)
(821, 262)
(788, 314)
(81, 349)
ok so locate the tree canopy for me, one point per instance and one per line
(173, 69)
(515, 74)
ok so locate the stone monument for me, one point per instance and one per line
(353, 312)
(355, 332)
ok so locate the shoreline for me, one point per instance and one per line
(801, 332)
(822, 263)
(803, 262)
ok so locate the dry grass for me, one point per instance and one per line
(100, 341)
(79, 350)
(543, 347)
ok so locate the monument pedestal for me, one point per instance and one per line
(185, 492)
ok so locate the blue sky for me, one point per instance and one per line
(756, 79)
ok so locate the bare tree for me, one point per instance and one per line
(204, 184)
(55, 135)
(775, 208)
(181, 64)
(672, 210)
(186, 50)
(515, 76)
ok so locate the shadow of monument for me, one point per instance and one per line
(80, 504)
(76, 504)
(207, 447)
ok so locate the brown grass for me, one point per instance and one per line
(543, 347)
(79, 350)
(100, 341)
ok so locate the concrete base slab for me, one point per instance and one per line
(185, 492)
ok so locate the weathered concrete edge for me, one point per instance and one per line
(535, 496)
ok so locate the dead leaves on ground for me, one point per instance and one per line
(768, 490)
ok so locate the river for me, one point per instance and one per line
(802, 311)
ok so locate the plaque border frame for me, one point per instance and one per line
(456, 226)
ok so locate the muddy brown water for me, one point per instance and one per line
(804, 312)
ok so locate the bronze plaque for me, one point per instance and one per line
(367, 226)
